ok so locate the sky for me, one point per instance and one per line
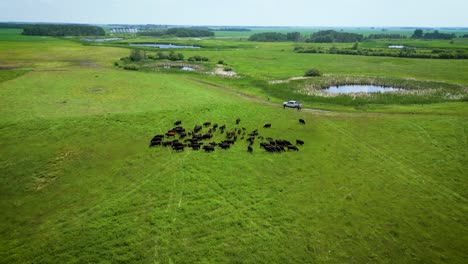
(332, 13)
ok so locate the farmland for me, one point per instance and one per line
(375, 182)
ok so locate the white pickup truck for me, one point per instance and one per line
(292, 104)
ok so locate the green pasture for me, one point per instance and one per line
(277, 60)
(79, 183)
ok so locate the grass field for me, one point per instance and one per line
(79, 183)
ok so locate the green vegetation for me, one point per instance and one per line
(80, 185)
(405, 52)
(273, 36)
(328, 36)
(419, 34)
(178, 32)
(198, 58)
(62, 30)
(386, 36)
(9, 74)
(310, 91)
(312, 73)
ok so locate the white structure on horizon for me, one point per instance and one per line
(124, 30)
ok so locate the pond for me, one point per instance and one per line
(396, 46)
(347, 89)
(182, 68)
(100, 39)
(164, 46)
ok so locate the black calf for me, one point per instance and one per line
(267, 126)
(299, 142)
(301, 121)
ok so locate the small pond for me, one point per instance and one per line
(347, 89)
(182, 68)
(396, 46)
(100, 39)
(164, 46)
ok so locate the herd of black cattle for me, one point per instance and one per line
(179, 138)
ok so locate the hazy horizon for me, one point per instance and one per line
(260, 13)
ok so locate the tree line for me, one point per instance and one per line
(234, 29)
(275, 36)
(178, 32)
(386, 36)
(331, 36)
(325, 36)
(419, 34)
(406, 52)
(62, 30)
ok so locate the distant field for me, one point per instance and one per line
(309, 30)
(79, 183)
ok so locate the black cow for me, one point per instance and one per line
(207, 136)
(249, 149)
(237, 121)
(301, 121)
(197, 128)
(292, 147)
(178, 147)
(299, 142)
(207, 124)
(167, 143)
(224, 145)
(195, 146)
(155, 143)
(157, 137)
(208, 148)
(267, 126)
(178, 122)
(222, 127)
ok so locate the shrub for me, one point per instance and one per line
(131, 67)
(227, 69)
(198, 58)
(135, 55)
(220, 62)
(312, 73)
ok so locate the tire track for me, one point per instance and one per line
(253, 98)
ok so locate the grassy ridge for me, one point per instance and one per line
(79, 183)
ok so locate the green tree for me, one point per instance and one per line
(160, 55)
(355, 46)
(135, 55)
(418, 33)
(180, 56)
